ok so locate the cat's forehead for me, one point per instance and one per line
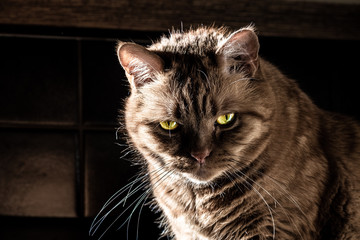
(195, 96)
(192, 69)
(197, 42)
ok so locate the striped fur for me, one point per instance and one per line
(283, 170)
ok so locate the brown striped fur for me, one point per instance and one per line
(284, 169)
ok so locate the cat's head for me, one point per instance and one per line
(198, 105)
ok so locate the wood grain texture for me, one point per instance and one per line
(289, 18)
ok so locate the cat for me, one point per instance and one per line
(233, 148)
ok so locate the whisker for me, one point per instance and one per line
(138, 221)
(141, 200)
(203, 73)
(127, 188)
(264, 200)
(238, 80)
(117, 132)
(155, 186)
(97, 222)
(110, 200)
(269, 208)
(127, 153)
(122, 145)
(243, 228)
(136, 201)
(284, 191)
(289, 197)
(276, 202)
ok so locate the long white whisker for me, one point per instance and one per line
(238, 80)
(127, 153)
(138, 221)
(109, 201)
(140, 198)
(162, 179)
(275, 200)
(269, 208)
(203, 73)
(144, 196)
(266, 203)
(128, 220)
(122, 145)
(97, 222)
(284, 191)
(289, 197)
(137, 200)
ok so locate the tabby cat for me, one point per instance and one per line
(233, 148)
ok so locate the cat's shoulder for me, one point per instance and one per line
(341, 141)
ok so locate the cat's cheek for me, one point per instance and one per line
(145, 141)
(150, 146)
(245, 142)
(251, 130)
(257, 140)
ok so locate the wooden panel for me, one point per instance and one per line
(37, 172)
(273, 18)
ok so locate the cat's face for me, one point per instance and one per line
(198, 117)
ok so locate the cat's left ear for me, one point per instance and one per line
(140, 64)
(239, 52)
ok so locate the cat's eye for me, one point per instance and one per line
(225, 119)
(169, 125)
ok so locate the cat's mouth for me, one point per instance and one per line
(202, 173)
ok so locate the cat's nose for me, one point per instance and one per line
(200, 155)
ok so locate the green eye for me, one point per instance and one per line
(225, 119)
(169, 125)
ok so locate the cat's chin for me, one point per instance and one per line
(200, 176)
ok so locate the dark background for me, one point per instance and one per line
(60, 91)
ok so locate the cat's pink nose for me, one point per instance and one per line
(201, 155)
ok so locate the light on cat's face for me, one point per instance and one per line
(196, 145)
(199, 169)
(192, 109)
(196, 149)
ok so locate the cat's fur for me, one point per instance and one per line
(284, 169)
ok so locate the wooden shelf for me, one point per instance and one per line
(291, 18)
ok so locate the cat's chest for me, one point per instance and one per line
(183, 211)
(190, 214)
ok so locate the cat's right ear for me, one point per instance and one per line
(140, 64)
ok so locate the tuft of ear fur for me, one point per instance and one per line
(239, 52)
(140, 64)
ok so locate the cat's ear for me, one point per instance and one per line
(140, 64)
(239, 52)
